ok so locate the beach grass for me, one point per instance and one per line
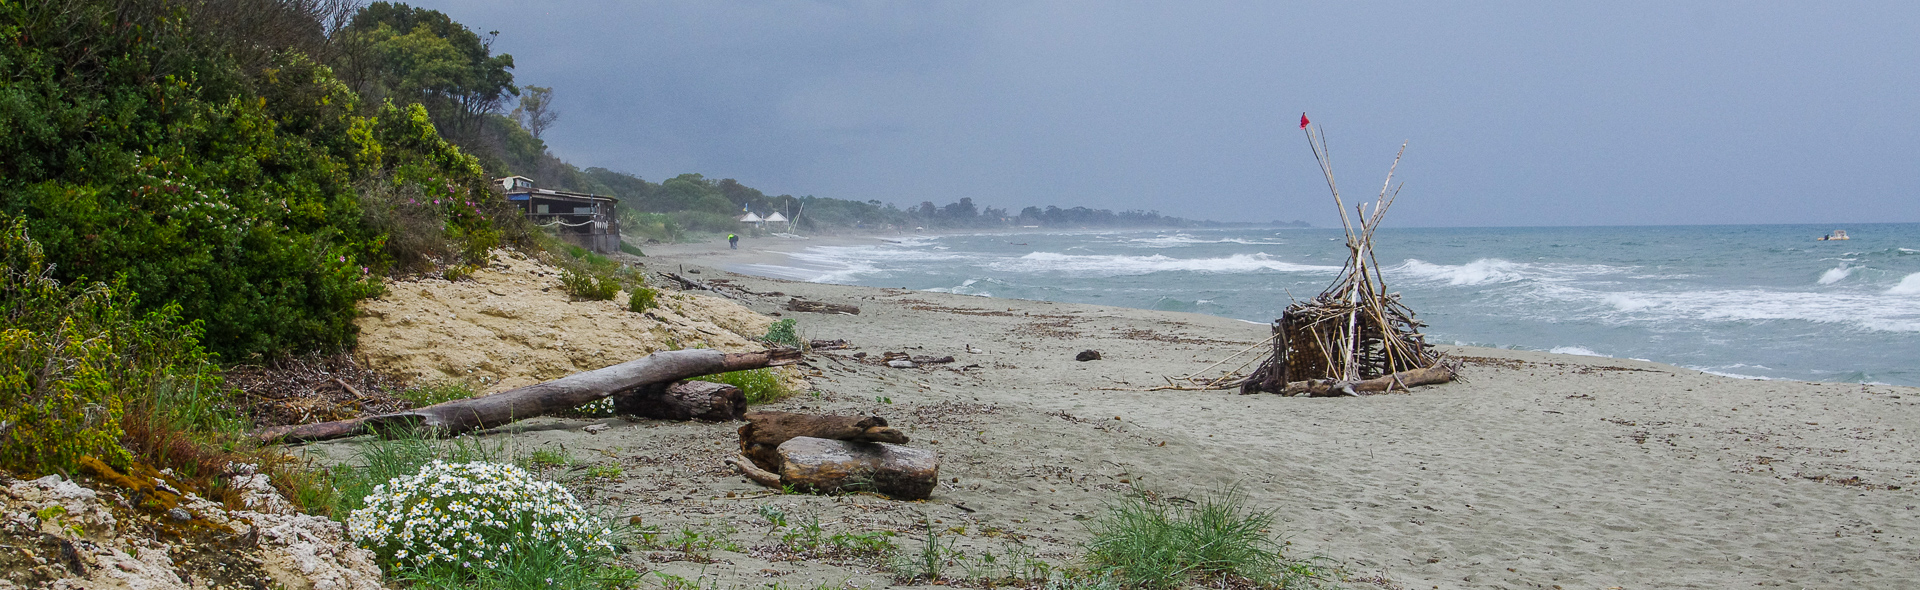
(1158, 542)
(760, 385)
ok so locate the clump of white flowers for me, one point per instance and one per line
(472, 515)
(599, 407)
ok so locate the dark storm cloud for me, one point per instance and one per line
(1518, 114)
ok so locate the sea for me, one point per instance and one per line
(1747, 301)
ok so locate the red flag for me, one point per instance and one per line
(1303, 120)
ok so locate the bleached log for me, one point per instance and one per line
(834, 466)
(1404, 380)
(454, 417)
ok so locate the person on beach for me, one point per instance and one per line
(733, 241)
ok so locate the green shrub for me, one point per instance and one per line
(631, 249)
(78, 359)
(642, 299)
(587, 287)
(653, 226)
(759, 385)
(1150, 541)
(239, 180)
(782, 333)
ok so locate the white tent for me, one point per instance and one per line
(776, 217)
(751, 218)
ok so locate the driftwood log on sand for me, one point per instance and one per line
(1403, 380)
(539, 399)
(828, 454)
(760, 438)
(833, 466)
(684, 400)
(798, 304)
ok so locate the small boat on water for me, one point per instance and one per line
(1838, 234)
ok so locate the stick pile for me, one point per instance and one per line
(1354, 331)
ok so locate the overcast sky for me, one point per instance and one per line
(1520, 113)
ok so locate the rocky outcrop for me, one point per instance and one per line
(88, 534)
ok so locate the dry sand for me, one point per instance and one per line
(1537, 471)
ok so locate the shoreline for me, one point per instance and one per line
(1539, 469)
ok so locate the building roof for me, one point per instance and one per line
(523, 194)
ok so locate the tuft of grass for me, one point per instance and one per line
(642, 299)
(1158, 543)
(585, 286)
(438, 392)
(782, 333)
(459, 272)
(760, 385)
(547, 458)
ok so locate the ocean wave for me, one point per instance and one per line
(1479, 272)
(1116, 265)
(1835, 274)
(1910, 285)
(1865, 311)
(1180, 240)
(1578, 351)
(1724, 373)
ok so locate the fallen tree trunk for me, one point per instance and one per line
(684, 400)
(565, 393)
(764, 432)
(798, 304)
(1404, 380)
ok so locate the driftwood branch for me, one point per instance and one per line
(1404, 380)
(798, 304)
(454, 417)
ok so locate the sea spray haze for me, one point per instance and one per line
(1751, 301)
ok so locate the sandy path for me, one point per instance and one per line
(1541, 471)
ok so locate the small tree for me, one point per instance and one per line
(536, 110)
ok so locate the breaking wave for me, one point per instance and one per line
(1115, 265)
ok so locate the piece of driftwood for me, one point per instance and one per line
(694, 285)
(683, 400)
(565, 393)
(833, 466)
(798, 304)
(760, 438)
(835, 344)
(753, 472)
(1403, 380)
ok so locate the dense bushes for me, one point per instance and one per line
(138, 148)
(79, 358)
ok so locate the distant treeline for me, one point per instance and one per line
(691, 202)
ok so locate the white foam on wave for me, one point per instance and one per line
(1478, 272)
(1577, 350)
(1723, 373)
(1493, 271)
(1835, 274)
(843, 264)
(1867, 311)
(1181, 240)
(1117, 265)
(1910, 285)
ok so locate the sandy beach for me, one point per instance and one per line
(1535, 471)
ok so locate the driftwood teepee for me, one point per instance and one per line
(1354, 337)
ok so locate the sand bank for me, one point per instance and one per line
(1537, 471)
